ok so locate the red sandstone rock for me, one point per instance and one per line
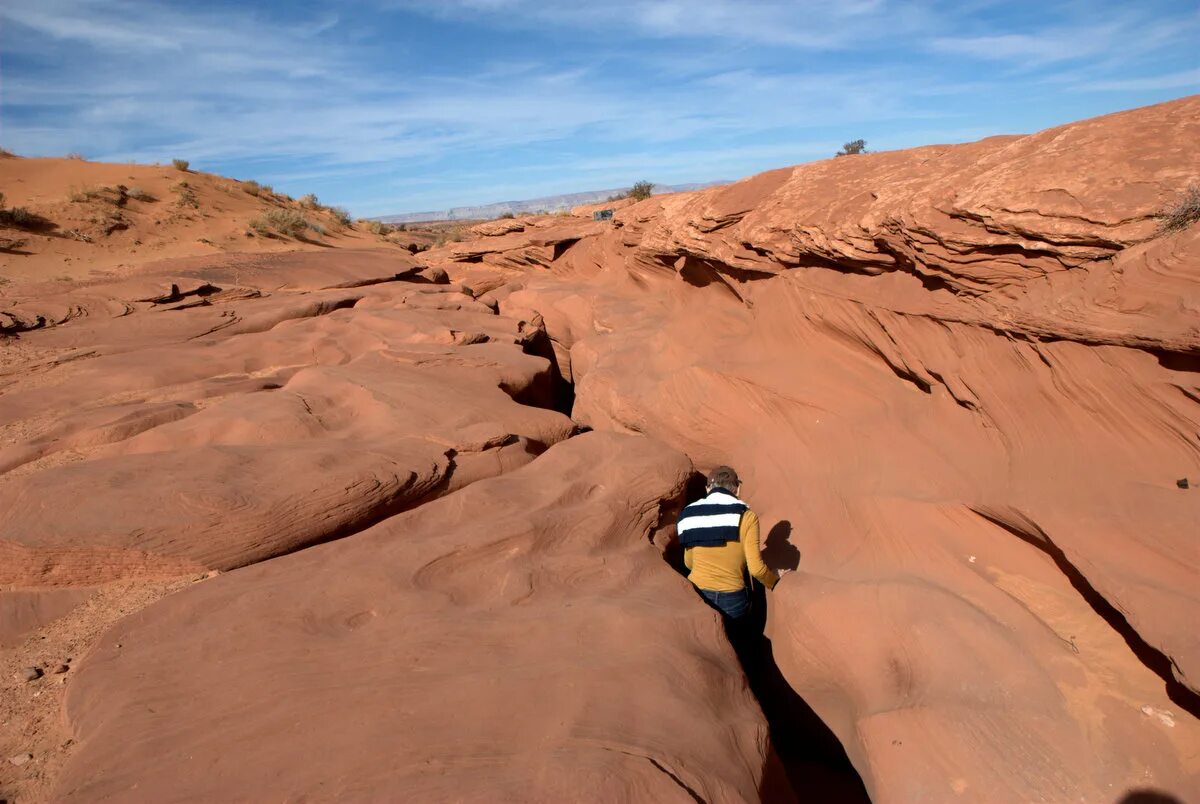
(261, 438)
(959, 381)
(24, 611)
(966, 397)
(520, 639)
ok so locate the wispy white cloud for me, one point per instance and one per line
(809, 24)
(1186, 79)
(661, 89)
(1116, 35)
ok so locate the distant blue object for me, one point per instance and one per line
(602, 215)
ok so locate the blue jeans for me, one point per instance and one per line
(734, 605)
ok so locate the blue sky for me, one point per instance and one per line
(402, 105)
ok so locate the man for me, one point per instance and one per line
(719, 535)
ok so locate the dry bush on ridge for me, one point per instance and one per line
(180, 164)
(309, 201)
(6, 154)
(21, 218)
(75, 155)
(252, 187)
(853, 147)
(374, 227)
(1183, 213)
(187, 196)
(341, 215)
(641, 190)
(138, 194)
(287, 222)
(79, 195)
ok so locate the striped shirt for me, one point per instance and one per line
(720, 565)
(714, 520)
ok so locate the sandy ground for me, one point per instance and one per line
(31, 721)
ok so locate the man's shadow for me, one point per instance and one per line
(777, 551)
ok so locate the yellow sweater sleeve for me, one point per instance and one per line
(754, 562)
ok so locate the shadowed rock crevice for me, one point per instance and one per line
(1151, 657)
(812, 763)
(560, 394)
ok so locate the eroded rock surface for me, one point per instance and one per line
(312, 414)
(961, 399)
(961, 383)
(518, 640)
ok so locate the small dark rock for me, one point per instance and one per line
(29, 674)
(60, 669)
(1182, 482)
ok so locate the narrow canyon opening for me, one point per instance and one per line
(807, 761)
(813, 761)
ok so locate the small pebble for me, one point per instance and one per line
(20, 759)
(1182, 482)
(29, 674)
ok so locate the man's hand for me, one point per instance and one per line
(782, 572)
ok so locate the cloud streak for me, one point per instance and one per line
(415, 104)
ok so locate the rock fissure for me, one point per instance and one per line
(1151, 657)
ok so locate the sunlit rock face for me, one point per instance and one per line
(961, 383)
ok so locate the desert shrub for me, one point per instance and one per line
(6, 154)
(399, 227)
(505, 215)
(21, 218)
(341, 215)
(374, 227)
(317, 227)
(74, 155)
(287, 222)
(138, 194)
(268, 189)
(252, 187)
(641, 191)
(309, 201)
(1183, 213)
(853, 147)
(80, 194)
(180, 164)
(187, 196)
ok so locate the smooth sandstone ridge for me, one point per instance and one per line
(960, 382)
(516, 641)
